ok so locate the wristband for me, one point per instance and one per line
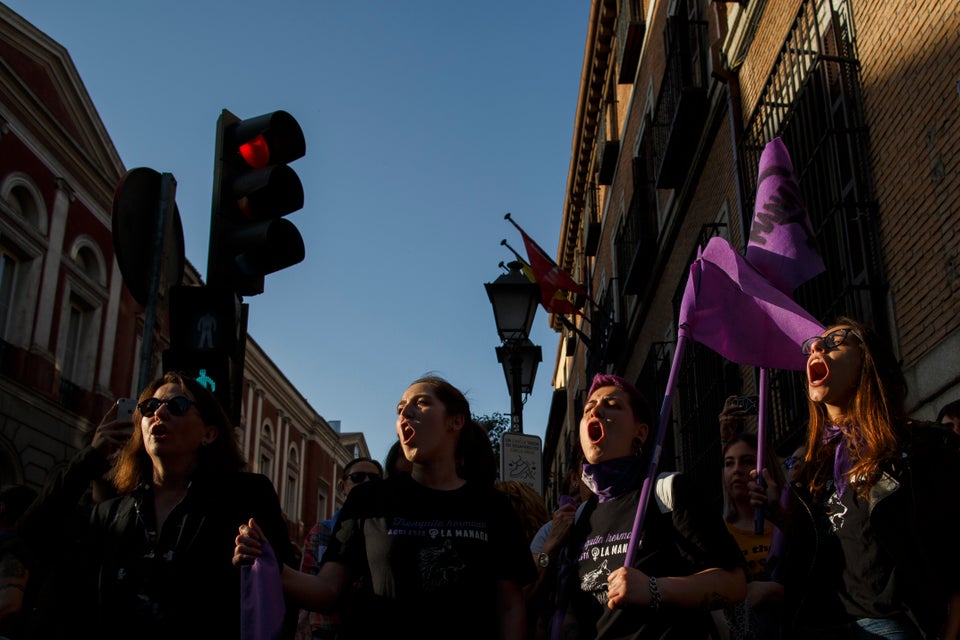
(654, 594)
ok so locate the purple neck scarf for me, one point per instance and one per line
(841, 458)
(612, 478)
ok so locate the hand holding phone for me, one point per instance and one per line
(125, 407)
(746, 405)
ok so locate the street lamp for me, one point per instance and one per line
(519, 359)
(515, 300)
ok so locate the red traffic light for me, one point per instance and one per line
(253, 188)
(256, 152)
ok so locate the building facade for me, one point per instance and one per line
(71, 332)
(677, 100)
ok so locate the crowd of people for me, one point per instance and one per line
(154, 530)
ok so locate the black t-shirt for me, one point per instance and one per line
(870, 589)
(682, 536)
(430, 560)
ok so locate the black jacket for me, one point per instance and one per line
(913, 511)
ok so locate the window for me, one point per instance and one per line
(290, 495)
(8, 291)
(76, 334)
(267, 451)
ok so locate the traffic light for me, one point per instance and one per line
(253, 188)
(205, 340)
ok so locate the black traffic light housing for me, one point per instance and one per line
(253, 188)
(207, 341)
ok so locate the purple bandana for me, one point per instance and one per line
(841, 459)
(612, 478)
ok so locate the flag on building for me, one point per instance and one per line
(554, 282)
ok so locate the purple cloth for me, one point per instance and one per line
(841, 459)
(782, 244)
(612, 478)
(262, 607)
(731, 308)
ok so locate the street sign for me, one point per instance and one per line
(136, 209)
(521, 458)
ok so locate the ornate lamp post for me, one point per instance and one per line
(515, 300)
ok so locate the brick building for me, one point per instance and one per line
(70, 331)
(677, 101)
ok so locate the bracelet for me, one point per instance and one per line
(654, 594)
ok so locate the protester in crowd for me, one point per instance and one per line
(546, 546)
(395, 461)
(439, 548)
(529, 506)
(870, 535)
(15, 563)
(155, 562)
(551, 536)
(793, 464)
(531, 510)
(64, 505)
(950, 416)
(758, 616)
(355, 473)
(687, 564)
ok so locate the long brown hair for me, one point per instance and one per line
(878, 405)
(220, 456)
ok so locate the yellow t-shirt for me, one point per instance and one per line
(754, 547)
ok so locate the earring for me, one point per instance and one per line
(638, 445)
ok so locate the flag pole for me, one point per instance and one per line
(651, 479)
(761, 439)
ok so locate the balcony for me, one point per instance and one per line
(607, 337)
(630, 31)
(681, 108)
(608, 143)
(636, 241)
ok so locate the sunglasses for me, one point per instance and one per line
(177, 406)
(828, 342)
(791, 462)
(358, 477)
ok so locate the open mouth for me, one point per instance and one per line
(817, 372)
(595, 432)
(406, 433)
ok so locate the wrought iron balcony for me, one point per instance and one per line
(681, 109)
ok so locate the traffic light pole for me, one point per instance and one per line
(237, 362)
(168, 196)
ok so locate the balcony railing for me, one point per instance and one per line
(636, 243)
(681, 109)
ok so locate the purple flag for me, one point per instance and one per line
(782, 244)
(262, 607)
(731, 308)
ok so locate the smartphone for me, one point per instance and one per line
(747, 405)
(125, 407)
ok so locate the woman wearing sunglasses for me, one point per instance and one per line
(439, 550)
(355, 473)
(156, 561)
(871, 532)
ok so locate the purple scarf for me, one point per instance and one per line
(612, 478)
(841, 458)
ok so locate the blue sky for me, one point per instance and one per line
(425, 122)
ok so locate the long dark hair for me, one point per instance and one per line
(474, 452)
